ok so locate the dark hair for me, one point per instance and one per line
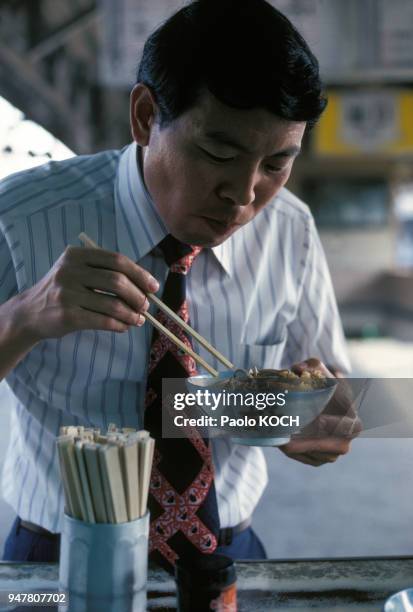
(245, 52)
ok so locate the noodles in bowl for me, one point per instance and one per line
(296, 400)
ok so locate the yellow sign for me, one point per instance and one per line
(366, 122)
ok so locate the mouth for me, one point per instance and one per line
(223, 224)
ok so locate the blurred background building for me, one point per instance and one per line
(66, 69)
(69, 66)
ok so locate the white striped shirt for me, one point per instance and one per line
(264, 297)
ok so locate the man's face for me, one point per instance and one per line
(214, 168)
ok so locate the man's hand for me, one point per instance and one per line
(330, 435)
(69, 297)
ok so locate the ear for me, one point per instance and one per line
(143, 110)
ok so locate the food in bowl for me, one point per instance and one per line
(254, 379)
(305, 396)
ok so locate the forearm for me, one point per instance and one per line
(62, 302)
(16, 340)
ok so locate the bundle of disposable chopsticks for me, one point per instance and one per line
(105, 477)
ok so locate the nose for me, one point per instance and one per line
(240, 187)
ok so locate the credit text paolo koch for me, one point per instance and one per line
(264, 420)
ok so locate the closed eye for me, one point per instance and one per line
(269, 167)
(274, 169)
(215, 157)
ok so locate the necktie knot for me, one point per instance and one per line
(178, 255)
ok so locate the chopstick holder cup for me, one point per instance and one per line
(103, 566)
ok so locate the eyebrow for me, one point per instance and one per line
(223, 138)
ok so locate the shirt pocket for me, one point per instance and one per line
(261, 355)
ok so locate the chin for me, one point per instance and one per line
(209, 242)
(202, 241)
(198, 238)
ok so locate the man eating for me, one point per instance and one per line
(196, 210)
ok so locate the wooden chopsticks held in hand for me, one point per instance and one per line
(88, 242)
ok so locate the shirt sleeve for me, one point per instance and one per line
(8, 282)
(316, 330)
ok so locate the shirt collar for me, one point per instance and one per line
(223, 254)
(139, 226)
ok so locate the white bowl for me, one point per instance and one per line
(400, 602)
(307, 405)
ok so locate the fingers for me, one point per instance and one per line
(344, 427)
(347, 427)
(89, 289)
(312, 364)
(323, 458)
(118, 284)
(96, 272)
(112, 307)
(331, 425)
(108, 260)
(86, 319)
(315, 461)
(311, 452)
(332, 446)
(342, 402)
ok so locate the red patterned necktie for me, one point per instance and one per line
(182, 499)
